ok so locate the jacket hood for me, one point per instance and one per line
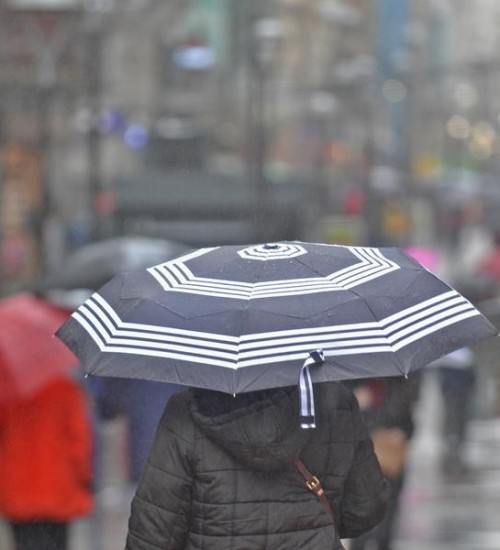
(264, 434)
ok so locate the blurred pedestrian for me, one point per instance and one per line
(489, 266)
(457, 378)
(141, 403)
(483, 282)
(387, 406)
(223, 474)
(45, 464)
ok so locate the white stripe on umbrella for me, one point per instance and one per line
(111, 333)
(186, 257)
(176, 276)
(110, 336)
(325, 334)
(370, 260)
(339, 278)
(108, 331)
(105, 347)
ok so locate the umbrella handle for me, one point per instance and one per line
(307, 411)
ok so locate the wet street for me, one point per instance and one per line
(440, 513)
(437, 513)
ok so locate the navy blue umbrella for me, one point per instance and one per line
(245, 318)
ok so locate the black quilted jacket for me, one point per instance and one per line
(226, 481)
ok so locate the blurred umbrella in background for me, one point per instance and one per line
(427, 256)
(30, 356)
(86, 270)
(93, 265)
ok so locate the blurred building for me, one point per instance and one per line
(262, 98)
(455, 159)
(41, 75)
(227, 120)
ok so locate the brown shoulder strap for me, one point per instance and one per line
(314, 485)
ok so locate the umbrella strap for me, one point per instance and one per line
(307, 411)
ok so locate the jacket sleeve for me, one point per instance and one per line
(161, 507)
(366, 492)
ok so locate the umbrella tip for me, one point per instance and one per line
(271, 246)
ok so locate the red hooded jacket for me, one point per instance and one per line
(46, 454)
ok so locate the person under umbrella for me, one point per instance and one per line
(46, 466)
(245, 319)
(46, 440)
(221, 474)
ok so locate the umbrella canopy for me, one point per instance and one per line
(30, 356)
(93, 265)
(238, 319)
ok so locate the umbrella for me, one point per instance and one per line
(30, 356)
(245, 318)
(93, 265)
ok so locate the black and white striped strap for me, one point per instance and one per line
(307, 414)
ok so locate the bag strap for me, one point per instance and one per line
(314, 485)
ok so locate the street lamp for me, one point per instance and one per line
(94, 12)
(323, 106)
(265, 40)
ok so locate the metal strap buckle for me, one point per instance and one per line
(313, 484)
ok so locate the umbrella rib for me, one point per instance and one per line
(106, 308)
(399, 363)
(434, 328)
(165, 275)
(449, 312)
(424, 304)
(115, 336)
(115, 329)
(424, 313)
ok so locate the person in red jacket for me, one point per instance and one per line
(46, 464)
